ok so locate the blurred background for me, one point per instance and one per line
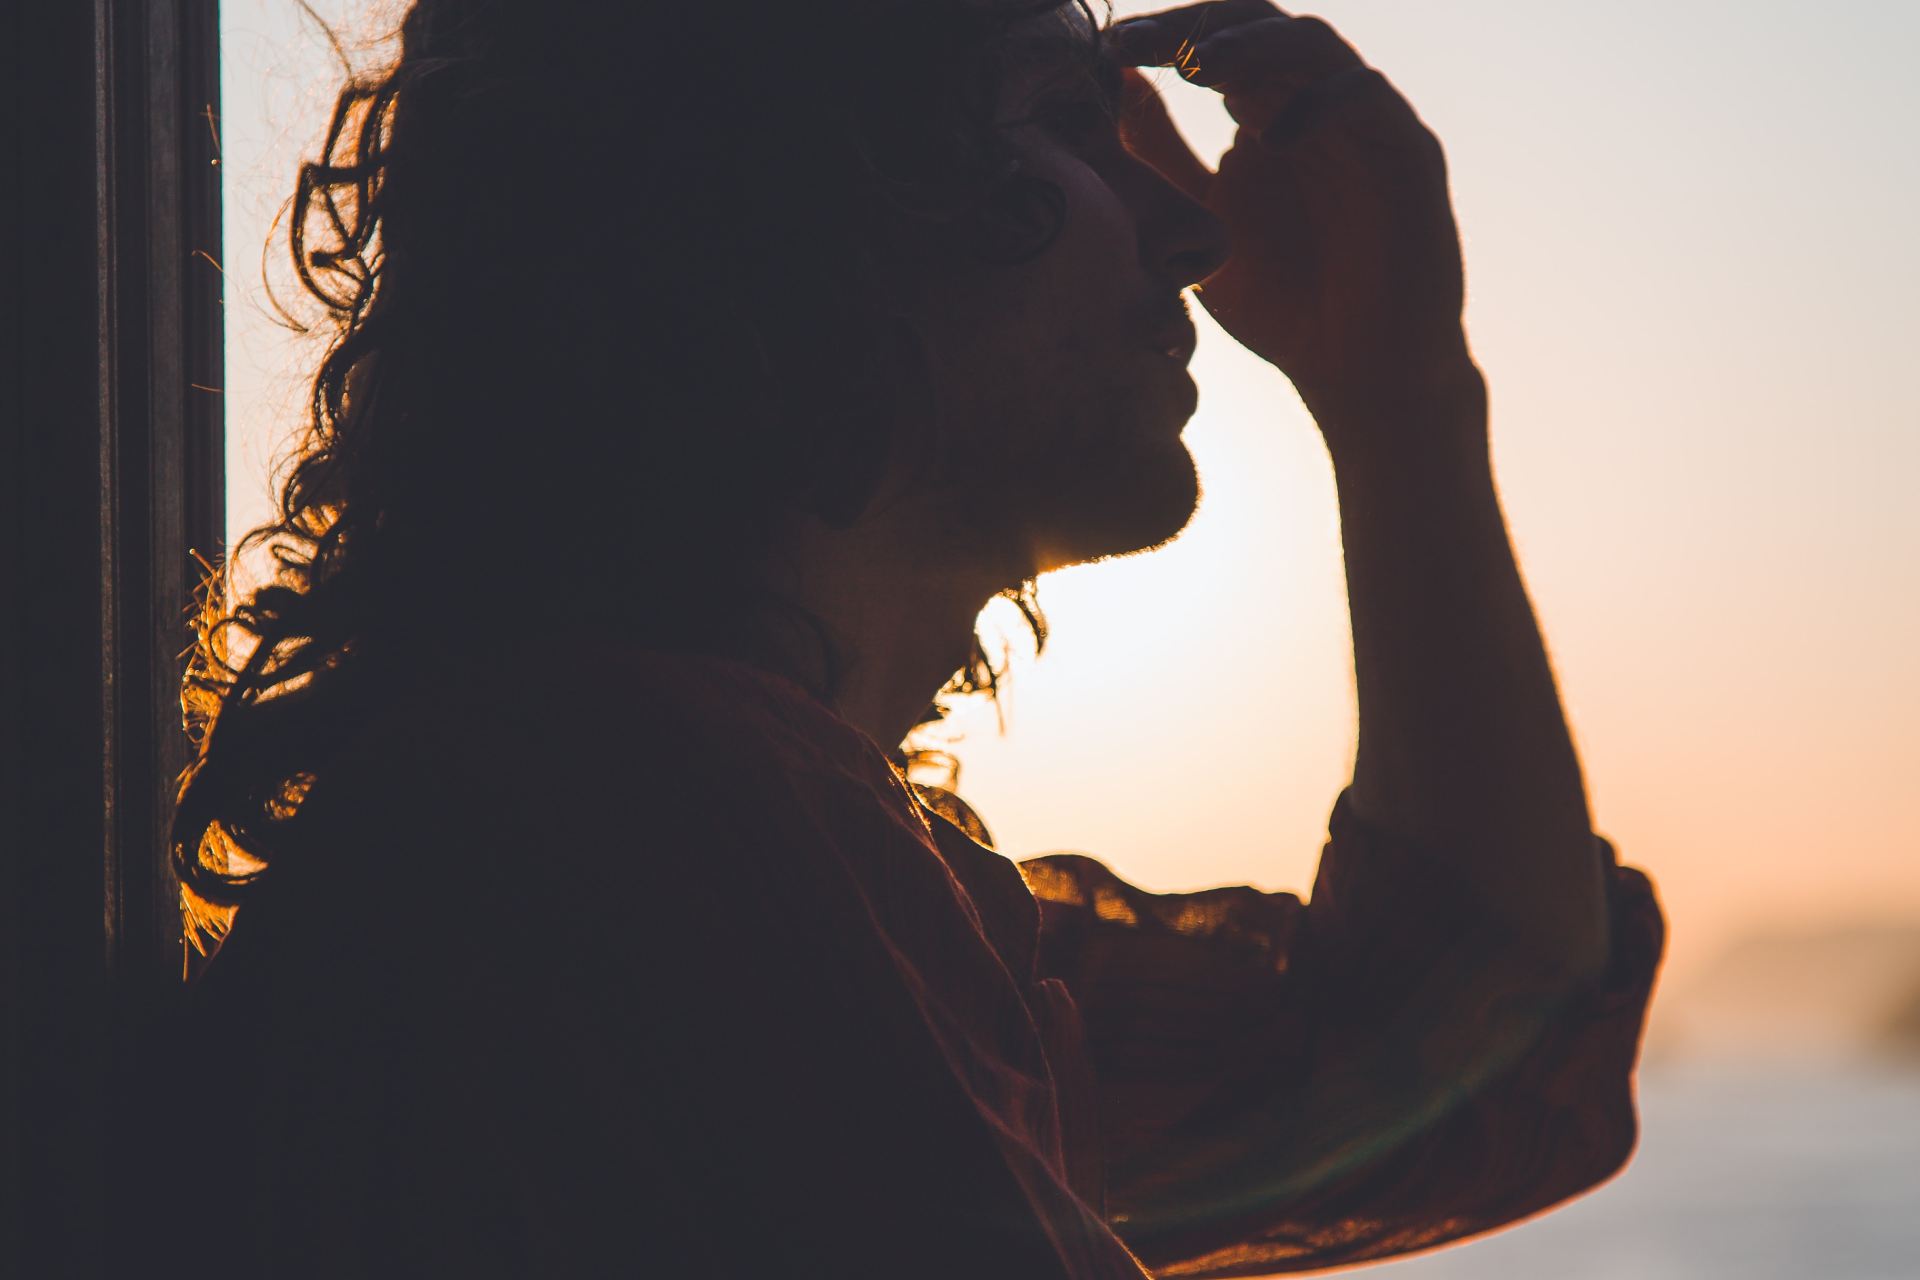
(1689, 235)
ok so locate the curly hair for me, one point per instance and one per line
(518, 235)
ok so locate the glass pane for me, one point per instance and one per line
(280, 71)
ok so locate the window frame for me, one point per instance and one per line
(112, 477)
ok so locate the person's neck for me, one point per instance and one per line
(900, 618)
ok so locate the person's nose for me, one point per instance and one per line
(1181, 238)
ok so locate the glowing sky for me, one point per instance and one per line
(1691, 272)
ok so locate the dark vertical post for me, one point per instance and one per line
(110, 472)
(162, 463)
(50, 669)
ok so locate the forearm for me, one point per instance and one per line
(1463, 744)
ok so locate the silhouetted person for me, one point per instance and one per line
(700, 372)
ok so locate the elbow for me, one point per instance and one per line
(1614, 1151)
(1612, 1136)
(1597, 1151)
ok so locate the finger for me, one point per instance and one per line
(1297, 48)
(1163, 39)
(1149, 132)
(1323, 100)
(1288, 76)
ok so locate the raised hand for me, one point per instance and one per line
(1345, 266)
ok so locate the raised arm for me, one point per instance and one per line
(1463, 744)
(1345, 273)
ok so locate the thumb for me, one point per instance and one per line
(1149, 133)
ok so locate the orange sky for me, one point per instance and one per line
(1689, 241)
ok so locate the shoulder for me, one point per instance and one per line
(509, 730)
(571, 775)
(600, 753)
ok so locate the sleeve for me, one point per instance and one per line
(656, 1030)
(1286, 1086)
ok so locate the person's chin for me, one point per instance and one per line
(1140, 503)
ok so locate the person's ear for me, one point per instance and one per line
(885, 431)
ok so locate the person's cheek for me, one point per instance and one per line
(1104, 247)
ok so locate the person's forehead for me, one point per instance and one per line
(1063, 39)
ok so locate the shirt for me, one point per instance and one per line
(642, 963)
